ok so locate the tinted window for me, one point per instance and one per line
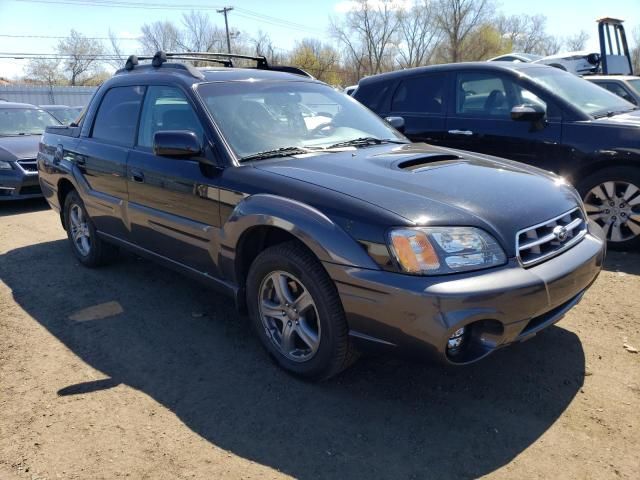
(373, 95)
(618, 90)
(491, 95)
(166, 108)
(117, 116)
(420, 95)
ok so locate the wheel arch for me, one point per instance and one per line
(600, 162)
(263, 220)
(64, 187)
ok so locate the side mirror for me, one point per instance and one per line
(176, 143)
(528, 113)
(396, 122)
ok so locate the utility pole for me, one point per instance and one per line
(226, 25)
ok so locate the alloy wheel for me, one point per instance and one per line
(80, 232)
(289, 316)
(615, 206)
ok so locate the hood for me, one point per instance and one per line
(628, 119)
(434, 186)
(15, 148)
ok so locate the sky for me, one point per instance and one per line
(286, 21)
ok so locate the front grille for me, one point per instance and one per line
(28, 165)
(545, 240)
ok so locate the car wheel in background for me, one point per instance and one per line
(612, 199)
(296, 311)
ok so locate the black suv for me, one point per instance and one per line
(330, 227)
(530, 113)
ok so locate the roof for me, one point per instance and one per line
(611, 77)
(213, 74)
(16, 105)
(449, 67)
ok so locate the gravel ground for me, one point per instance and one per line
(134, 371)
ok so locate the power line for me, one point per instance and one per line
(55, 37)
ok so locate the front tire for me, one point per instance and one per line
(90, 250)
(612, 199)
(297, 313)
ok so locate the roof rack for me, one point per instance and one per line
(225, 59)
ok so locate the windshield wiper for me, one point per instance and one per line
(611, 113)
(363, 142)
(278, 152)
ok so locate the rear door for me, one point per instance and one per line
(102, 158)
(422, 102)
(173, 203)
(480, 120)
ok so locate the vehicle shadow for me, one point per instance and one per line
(626, 262)
(386, 417)
(17, 207)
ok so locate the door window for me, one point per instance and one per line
(487, 95)
(117, 116)
(166, 108)
(618, 90)
(420, 95)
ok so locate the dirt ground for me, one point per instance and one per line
(133, 371)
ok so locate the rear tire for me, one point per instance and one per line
(307, 331)
(612, 199)
(87, 247)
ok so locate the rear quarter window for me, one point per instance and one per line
(117, 118)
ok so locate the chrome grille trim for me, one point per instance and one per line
(538, 243)
(28, 165)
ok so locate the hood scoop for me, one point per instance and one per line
(426, 162)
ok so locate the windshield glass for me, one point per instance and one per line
(589, 98)
(263, 116)
(635, 84)
(24, 121)
(65, 115)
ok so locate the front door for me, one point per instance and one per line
(480, 121)
(173, 203)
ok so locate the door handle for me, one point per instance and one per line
(461, 132)
(137, 176)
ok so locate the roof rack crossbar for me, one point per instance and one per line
(259, 59)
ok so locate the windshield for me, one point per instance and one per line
(635, 84)
(65, 115)
(24, 121)
(584, 95)
(264, 116)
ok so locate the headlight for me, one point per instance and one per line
(441, 250)
(5, 165)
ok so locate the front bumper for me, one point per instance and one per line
(499, 306)
(18, 185)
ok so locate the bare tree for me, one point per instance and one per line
(635, 50)
(157, 36)
(81, 56)
(418, 34)
(45, 71)
(458, 19)
(550, 46)
(577, 41)
(117, 57)
(525, 33)
(199, 34)
(368, 32)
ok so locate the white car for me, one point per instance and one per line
(579, 63)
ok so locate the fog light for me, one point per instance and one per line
(455, 341)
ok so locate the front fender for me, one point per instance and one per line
(320, 234)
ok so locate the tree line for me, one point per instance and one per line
(372, 37)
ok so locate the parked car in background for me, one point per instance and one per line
(578, 63)
(64, 114)
(530, 113)
(350, 89)
(625, 86)
(516, 57)
(332, 235)
(21, 126)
